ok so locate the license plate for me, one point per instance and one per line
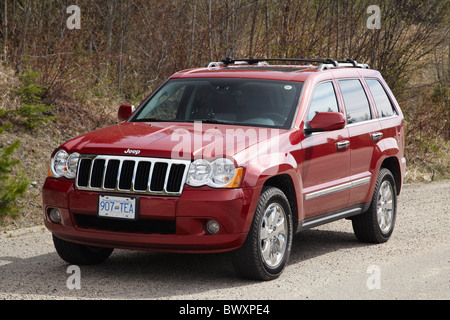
(117, 207)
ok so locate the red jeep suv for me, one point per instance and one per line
(236, 156)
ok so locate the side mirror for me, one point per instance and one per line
(125, 111)
(326, 121)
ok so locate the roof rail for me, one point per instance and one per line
(225, 63)
(324, 63)
(343, 63)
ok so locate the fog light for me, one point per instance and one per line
(55, 215)
(212, 226)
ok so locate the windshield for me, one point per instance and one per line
(250, 102)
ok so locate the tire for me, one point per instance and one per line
(268, 245)
(79, 254)
(377, 223)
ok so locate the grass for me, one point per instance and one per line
(428, 159)
(427, 143)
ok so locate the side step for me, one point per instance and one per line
(332, 216)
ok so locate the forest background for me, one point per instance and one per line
(67, 65)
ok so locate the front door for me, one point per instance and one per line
(325, 166)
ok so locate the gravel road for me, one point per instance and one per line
(326, 263)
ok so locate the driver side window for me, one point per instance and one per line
(165, 104)
(323, 100)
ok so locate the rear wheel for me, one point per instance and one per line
(266, 250)
(377, 223)
(75, 253)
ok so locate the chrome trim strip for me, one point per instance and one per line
(332, 217)
(362, 122)
(360, 182)
(136, 160)
(338, 188)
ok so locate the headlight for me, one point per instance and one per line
(221, 173)
(199, 173)
(72, 165)
(64, 165)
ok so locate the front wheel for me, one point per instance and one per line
(266, 250)
(75, 253)
(376, 224)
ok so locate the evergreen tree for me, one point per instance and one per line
(12, 186)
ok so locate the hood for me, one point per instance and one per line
(169, 140)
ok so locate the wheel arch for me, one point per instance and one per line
(285, 183)
(393, 165)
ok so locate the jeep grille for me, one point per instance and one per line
(136, 175)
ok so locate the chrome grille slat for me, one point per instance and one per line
(90, 173)
(150, 176)
(107, 174)
(118, 174)
(167, 176)
(104, 172)
(133, 178)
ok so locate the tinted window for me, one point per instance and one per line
(382, 102)
(355, 100)
(323, 100)
(248, 102)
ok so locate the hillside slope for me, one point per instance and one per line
(36, 146)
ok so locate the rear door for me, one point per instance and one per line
(390, 121)
(390, 118)
(364, 133)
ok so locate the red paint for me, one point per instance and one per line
(312, 161)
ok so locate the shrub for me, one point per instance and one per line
(32, 108)
(12, 186)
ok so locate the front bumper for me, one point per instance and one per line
(173, 224)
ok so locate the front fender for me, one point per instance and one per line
(278, 165)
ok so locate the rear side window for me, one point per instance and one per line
(323, 100)
(355, 100)
(382, 102)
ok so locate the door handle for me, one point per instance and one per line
(342, 145)
(377, 136)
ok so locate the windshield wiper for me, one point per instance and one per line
(154, 120)
(213, 121)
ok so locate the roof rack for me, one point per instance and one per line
(324, 63)
(343, 63)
